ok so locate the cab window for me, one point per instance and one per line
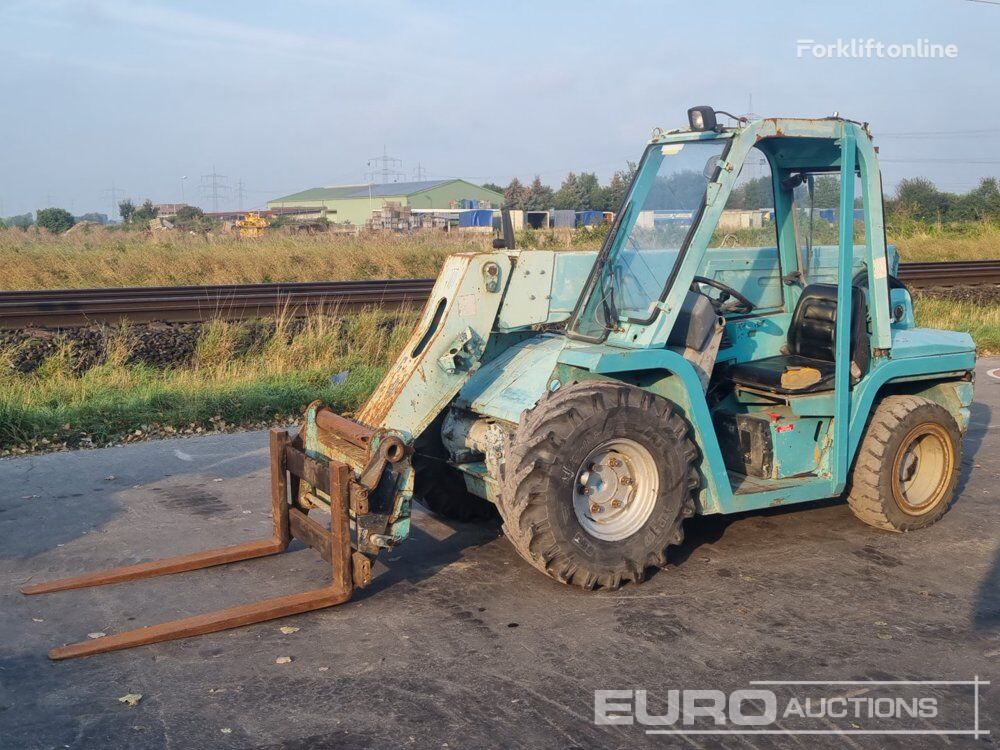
(817, 226)
(743, 252)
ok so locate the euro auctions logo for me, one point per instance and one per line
(741, 708)
(893, 707)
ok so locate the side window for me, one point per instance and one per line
(743, 252)
(817, 226)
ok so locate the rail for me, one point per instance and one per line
(55, 308)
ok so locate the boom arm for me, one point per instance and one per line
(446, 347)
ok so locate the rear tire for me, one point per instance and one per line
(597, 483)
(907, 465)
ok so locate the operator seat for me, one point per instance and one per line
(811, 343)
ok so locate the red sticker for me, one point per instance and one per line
(784, 427)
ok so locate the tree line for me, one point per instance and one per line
(914, 198)
(58, 220)
(918, 198)
(581, 192)
(584, 192)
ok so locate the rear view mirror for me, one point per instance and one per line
(710, 166)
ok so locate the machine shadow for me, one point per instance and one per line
(702, 531)
(52, 512)
(979, 419)
(986, 612)
(424, 554)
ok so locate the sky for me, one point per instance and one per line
(147, 98)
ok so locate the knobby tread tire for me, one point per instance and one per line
(869, 490)
(536, 507)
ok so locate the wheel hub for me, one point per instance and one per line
(908, 469)
(615, 489)
(923, 467)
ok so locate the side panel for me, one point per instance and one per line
(752, 271)
(571, 272)
(544, 287)
(531, 287)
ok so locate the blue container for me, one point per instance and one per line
(477, 217)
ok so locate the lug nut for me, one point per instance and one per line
(616, 503)
(613, 462)
(626, 480)
(595, 508)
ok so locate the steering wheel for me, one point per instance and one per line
(739, 303)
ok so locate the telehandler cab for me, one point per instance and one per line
(739, 342)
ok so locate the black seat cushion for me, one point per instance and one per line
(812, 343)
(766, 373)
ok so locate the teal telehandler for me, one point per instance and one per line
(740, 341)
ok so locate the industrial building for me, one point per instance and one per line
(354, 204)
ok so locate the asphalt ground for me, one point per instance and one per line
(458, 642)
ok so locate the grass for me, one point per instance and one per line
(226, 385)
(979, 320)
(967, 241)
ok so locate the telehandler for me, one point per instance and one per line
(712, 357)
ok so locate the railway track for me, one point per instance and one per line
(75, 307)
(950, 273)
(186, 304)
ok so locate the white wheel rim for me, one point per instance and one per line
(615, 489)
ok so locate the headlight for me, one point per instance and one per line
(702, 118)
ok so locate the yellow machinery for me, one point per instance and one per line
(251, 225)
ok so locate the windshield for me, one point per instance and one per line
(656, 218)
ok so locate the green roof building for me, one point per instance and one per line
(354, 203)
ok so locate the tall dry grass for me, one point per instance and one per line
(110, 258)
(966, 241)
(98, 257)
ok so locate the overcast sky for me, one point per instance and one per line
(290, 95)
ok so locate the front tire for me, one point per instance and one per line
(597, 483)
(907, 466)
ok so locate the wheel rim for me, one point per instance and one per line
(922, 469)
(615, 489)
